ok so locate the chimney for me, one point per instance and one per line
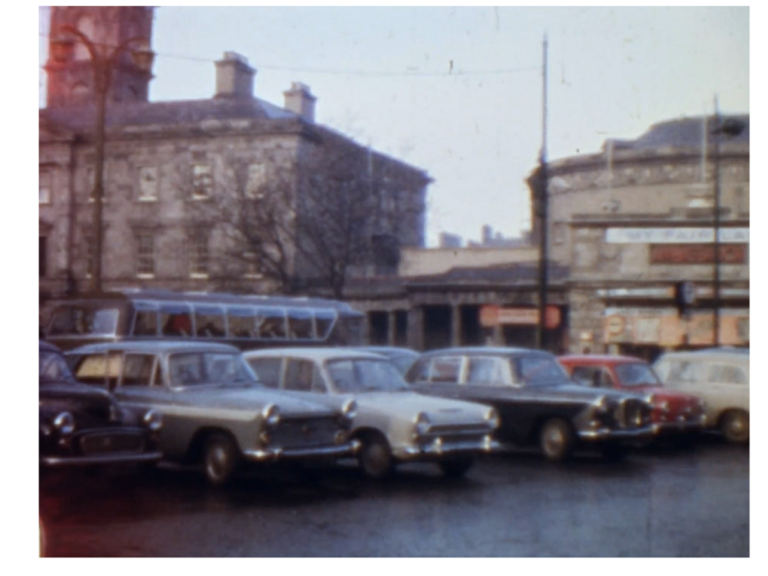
(299, 100)
(234, 78)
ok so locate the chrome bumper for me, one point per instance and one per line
(673, 427)
(275, 454)
(603, 434)
(438, 447)
(102, 459)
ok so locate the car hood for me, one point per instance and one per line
(408, 405)
(250, 400)
(90, 406)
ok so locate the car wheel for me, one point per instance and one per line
(556, 440)
(613, 452)
(220, 459)
(455, 467)
(375, 457)
(734, 426)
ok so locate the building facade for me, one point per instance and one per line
(181, 176)
(637, 221)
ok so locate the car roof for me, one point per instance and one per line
(389, 350)
(485, 350)
(48, 347)
(600, 359)
(154, 347)
(318, 354)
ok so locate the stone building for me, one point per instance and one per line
(636, 220)
(171, 167)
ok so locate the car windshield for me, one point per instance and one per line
(199, 368)
(637, 374)
(53, 368)
(539, 370)
(365, 375)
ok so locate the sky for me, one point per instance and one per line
(458, 91)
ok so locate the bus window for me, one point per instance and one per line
(271, 323)
(144, 320)
(241, 322)
(209, 322)
(82, 321)
(300, 324)
(176, 320)
(324, 320)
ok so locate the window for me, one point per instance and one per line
(299, 375)
(82, 321)
(202, 181)
(241, 322)
(148, 183)
(209, 322)
(300, 324)
(535, 370)
(685, 372)
(727, 374)
(324, 321)
(592, 376)
(145, 255)
(45, 188)
(271, 323)
(256, 180)
(43, 257)
(100, 369)
(267, 370)
(489, 372)
(198, 256)
(137, 369)
(446, 370)
(144, 322)
(175, 320)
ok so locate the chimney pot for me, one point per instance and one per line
(299, 100)
(234, 77)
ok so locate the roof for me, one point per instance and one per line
(168, 112)
(154, 347)
(600, 359)
(317, 354)
(387, 350)
(686, 133)
(497, 350)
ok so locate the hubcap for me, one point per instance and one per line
(553, 440)
(217, 461)
(375, 458)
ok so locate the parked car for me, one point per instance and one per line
(719, 377)
(536, 401)
(674, 414)
(217, 413)
(80, 425)
(393, 424)
(402, 358)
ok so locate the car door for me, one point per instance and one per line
(141, 384)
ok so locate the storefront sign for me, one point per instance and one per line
(675, 235)
(697, 253)
(492, 315)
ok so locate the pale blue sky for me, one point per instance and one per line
(384, 76)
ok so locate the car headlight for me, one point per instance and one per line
(492, 417)
(64, 423)
(271, 415)
(153, 420)
(349, 410)
(423, 424)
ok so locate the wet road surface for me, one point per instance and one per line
(654, 503)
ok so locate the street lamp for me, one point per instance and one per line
(731, 128)
(102, 64)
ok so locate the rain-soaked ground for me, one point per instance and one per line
(655, 503)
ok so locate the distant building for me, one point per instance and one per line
(448, 240)
(498, 240)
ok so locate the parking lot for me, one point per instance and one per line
(655, 503)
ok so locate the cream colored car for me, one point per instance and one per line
(719, 377)
(392, 423)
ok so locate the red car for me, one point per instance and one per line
(673, 414)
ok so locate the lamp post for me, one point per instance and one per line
(102, 63)
(730, 128)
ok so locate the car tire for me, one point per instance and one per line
(456, 467)
(734, 425)
(556, 440)
(613, 452)
(375, 457)
(221, 458)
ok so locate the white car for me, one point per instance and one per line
(719, 377)
(392, 423)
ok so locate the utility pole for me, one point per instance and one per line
(716, 287)
(543, 201)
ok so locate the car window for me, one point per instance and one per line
(587, 376)
(636, 374)
(489, 372)
(446, 370)
(267, 370)
(686, 371)
(727, 374)
(303, 376)
(138, 369)
(220, 368)
(209, 322)
(53, 367)
(539, 369)
(419, 372)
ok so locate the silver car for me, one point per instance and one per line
(392, 423)
(215, 411)
(719, 377)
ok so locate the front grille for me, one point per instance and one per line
(301, 432)
(632, 413)
(111, 443)
(459, 430)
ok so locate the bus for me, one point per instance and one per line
(246, 321)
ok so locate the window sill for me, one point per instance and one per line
(198, 276)
(199, 198)
(146, 199)
(145, 276)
